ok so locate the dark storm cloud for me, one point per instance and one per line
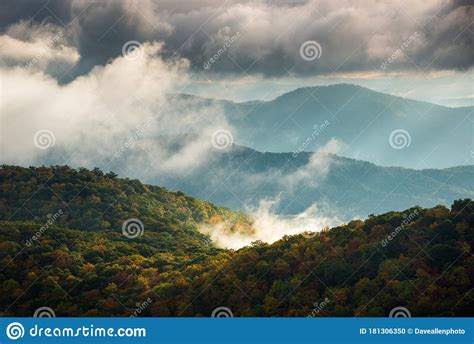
(450, 38)
(11, 11)
(354, 36)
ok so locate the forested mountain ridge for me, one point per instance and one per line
(352, 188)
(94, 201)
(420, 259)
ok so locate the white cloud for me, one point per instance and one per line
(95, 114)
(270, 226)
(317, 167)
(37, 47)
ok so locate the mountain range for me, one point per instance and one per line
(288, 168)
(242, 178)
(372, 126)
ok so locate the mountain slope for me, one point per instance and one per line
(360, 118)
(96, 202)
(351, 270)
(240, 178)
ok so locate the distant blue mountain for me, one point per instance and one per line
(240, 177)
(347, 187)
(424, 135)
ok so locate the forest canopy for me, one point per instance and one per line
(62, 246)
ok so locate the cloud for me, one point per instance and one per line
(37, 47)
(106, 116)
(317, 167)
(269, 226)
(119, 116)
(354, 36)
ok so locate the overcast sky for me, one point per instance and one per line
(244, 50)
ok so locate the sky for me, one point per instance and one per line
(246, 50)
(87, 83)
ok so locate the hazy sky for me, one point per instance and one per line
(244, 50)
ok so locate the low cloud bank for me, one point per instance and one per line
(98, 117)
(270, 226)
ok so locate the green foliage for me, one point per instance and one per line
(81, 264)
(94, 201)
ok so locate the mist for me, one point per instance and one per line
(119, 117)
(92, 119)
(269, 226)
